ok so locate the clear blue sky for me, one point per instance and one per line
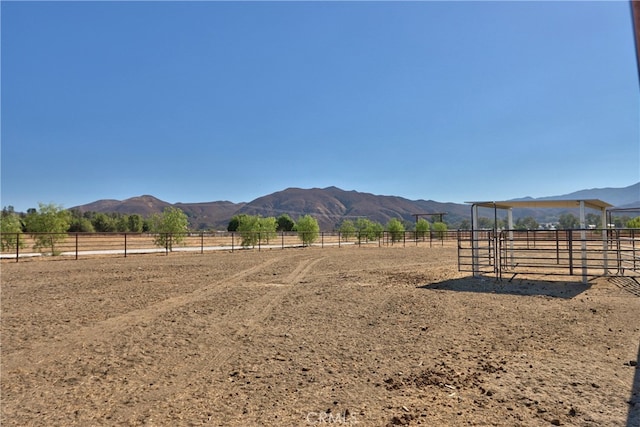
(206, 101)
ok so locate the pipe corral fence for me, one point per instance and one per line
(584, 252)
(580, 252)
(17, 246)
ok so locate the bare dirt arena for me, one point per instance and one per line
(310, 336)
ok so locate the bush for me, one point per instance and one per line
(347, 229)
(422, 228)
(396, 229)
(308, 229)
(285, 223)
(11, 229)
(170, 227)
(440, 229)
(49, 224)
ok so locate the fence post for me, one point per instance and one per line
(125, 245)
(232, 240)
(76, 245)
(633, 248)
(557, 247)
(17, 246)
(570, 244)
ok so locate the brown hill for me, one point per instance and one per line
(330, 206)
(209, 215)
(143, 205)
(201, 215)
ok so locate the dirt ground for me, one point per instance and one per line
(310, 336)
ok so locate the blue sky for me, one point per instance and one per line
(205, 101)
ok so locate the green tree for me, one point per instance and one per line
(375, 231)
(285, 223)
(135, 223)
(484, 223)
(347, 229)
(422, 228)
(594, 219)
(49, 226)
(122, 223)
(170, 228)
(103, 223)
(368, 230)
(568, 221)
(10, 229)
(248, 227)
(527, 223)
(362, 225)
(503, 223)
(234, 223)
(621, 221)
(81, 225)
(634, 223)
(395, 227)
(267, 227)
(147, 225)
(308, 229)
(440, 228)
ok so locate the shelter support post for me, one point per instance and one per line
(510, 227)
(583, 238)
(605, 240)
(475, 253)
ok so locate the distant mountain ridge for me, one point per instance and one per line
(331, 205)
(619, 197)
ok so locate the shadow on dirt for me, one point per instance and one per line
(629, 284)
(523, 287)
(633, 419)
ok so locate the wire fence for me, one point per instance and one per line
(16, 246)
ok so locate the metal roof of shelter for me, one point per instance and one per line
(573, 203)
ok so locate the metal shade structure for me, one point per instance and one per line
(535, 204)
(509, 205)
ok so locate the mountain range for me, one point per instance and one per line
(330, 206)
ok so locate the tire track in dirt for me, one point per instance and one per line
(235, 325)
(101, 331)
(263, 306)
(248, 322)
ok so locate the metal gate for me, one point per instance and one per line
(477, 252)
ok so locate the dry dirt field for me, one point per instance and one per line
(306, 337)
